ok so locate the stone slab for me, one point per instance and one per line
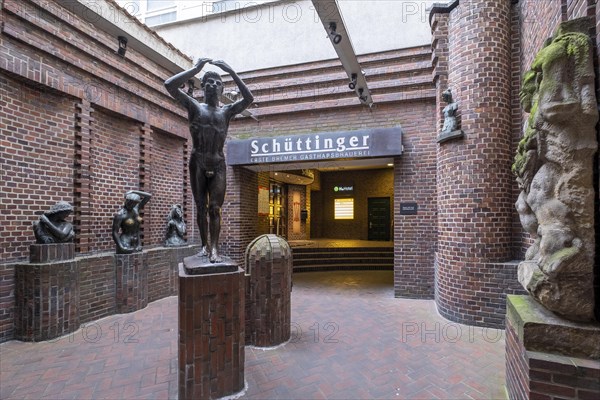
(201, 265)
(543, 331)
(446, 136)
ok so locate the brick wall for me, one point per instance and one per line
(96, 287)
(36, 154)
(578, 8)
(167, 183)
(239, 214)
(538, 23)
(416, 236)
(114, 171)
(7, 301)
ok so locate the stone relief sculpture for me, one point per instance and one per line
(554, 168)
(52, 226)
(450, 128)
(127, 222)
(175, 235)
(208, 127)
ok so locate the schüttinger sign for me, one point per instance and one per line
(316, 146)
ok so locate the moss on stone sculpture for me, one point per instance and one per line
(553, 166)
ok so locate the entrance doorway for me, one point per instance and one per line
(379, 218)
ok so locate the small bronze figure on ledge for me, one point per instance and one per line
(208, 127)
(52, 227)
(175, 227)
(450, 129)
(127, 222)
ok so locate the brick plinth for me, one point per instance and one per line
(268, 291)
(544, 356)
(211, 334)
(46, 300)
(131, 282)
(42, 253)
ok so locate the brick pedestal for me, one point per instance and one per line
(548, 357)
(131, 282)
(268, 291)
(211, 334)
(42, 253)
(47, 293)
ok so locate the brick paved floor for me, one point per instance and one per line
(351, 340)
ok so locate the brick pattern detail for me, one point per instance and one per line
(521, 239)
(578, 8)
(46, 300)
(131, 284)
(7, 302)
(211, 334)
(163, 270)
(82, 185)
(114, 171)
(537, 25)
(533, 375)
(189, 209)
(167, 186)
(268, 291)
(97, 286)
(39, 253)
(145, 174)
(86, 67)
(239, 215)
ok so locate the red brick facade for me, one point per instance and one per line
(313, 97)
(82, 124)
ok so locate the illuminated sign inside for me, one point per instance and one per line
(344, 189)
(364, 143)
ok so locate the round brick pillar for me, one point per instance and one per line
(475, 184)
(268, 291)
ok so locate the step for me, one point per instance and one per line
(339, 258)
(325, 267)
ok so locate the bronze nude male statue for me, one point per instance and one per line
(208, 127)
